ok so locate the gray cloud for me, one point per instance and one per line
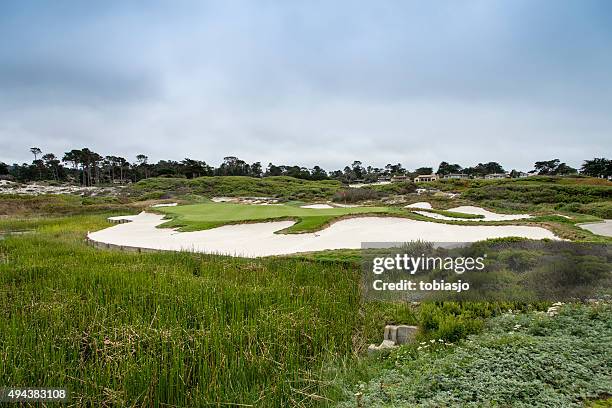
(311, 83)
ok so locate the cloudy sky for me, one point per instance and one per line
(309, 82)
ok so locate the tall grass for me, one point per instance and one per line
(179, 329)
(168, 328)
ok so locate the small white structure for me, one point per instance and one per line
(425, 177)
(493, 176)
(397, 179)
(456, 176)
(401, 334)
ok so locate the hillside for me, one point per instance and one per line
(281, 187)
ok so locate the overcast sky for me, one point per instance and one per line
(309, 82)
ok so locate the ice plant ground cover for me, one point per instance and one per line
(538, 359)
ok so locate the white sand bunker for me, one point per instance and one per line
(345, 205)
(317, 206)
(421, 204)
(488, 215)
(259, 239)
(600, 228)
(222, 199)
(164, 205)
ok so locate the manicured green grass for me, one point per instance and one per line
(210, 215)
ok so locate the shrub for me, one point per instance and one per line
(523, 360)
(353, 195)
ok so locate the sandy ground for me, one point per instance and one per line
(378, 183)
(164, 205)
(488, 215)
(8, 187)
(599, 228)
(317, 206)
(259, 239)
(421, 204)
(246, 200)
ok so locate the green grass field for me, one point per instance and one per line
(181, 330)
(210, 215)
(167, 329)
(203, 216)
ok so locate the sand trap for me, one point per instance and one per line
(317, 206)
(345, 205)
(378, 183)
(422, 205)
(600, 228)
(165, 205)
(488, 215)
(223, 199)
(259, 239)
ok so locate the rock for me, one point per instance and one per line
(385, 345)
(400, 334)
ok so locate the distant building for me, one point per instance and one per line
(496, 176)
(425, 177)
(456, 176)
(382, 179)
(399, 178)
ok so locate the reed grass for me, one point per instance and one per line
(177, 329)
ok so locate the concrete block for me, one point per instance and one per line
(400, 334)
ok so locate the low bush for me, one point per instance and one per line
(394, 188)
(522, 360)
(281, 187)
(354, 195)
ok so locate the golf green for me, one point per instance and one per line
(196, 217)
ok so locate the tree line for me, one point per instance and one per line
(88, 168)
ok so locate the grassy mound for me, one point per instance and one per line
(288, 188)
(210, 215)
(584, 195)
(524, 360)
(56, 204)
